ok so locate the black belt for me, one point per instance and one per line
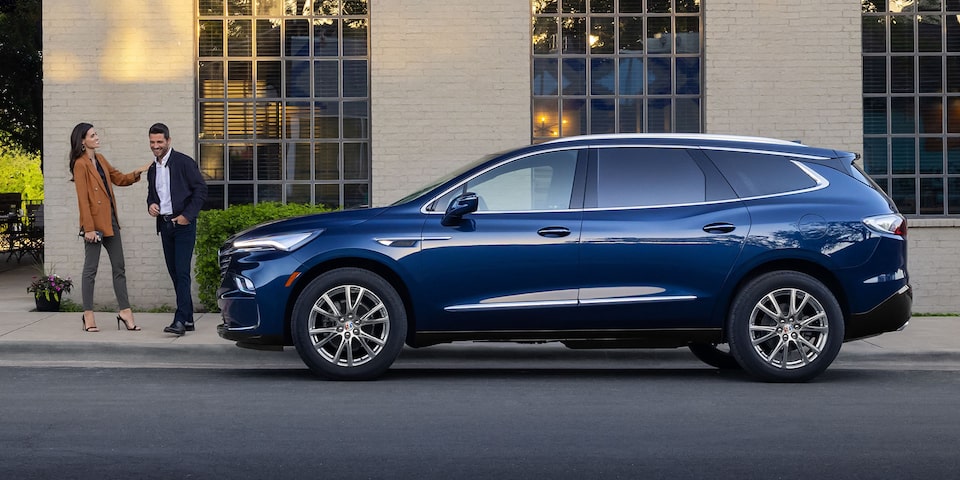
(168, 218)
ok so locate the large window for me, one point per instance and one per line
(283, 101)
(911, 102)
(616, 66)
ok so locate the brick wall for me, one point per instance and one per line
(933, 264)
(121, 66)
(450, 82)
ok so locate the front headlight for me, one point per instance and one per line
(287, 242)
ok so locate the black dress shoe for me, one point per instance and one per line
(189, 327)
(176, 328)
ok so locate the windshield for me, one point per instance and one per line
(446, 178)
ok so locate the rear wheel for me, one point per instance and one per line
(349, 324)
(715, 355)
(785, 327)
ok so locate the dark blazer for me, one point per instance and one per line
(188, 190)
(95, 200)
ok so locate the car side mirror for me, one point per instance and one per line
(460, 206)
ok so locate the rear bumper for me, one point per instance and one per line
(891, 315)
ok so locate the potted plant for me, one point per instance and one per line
(48, 290)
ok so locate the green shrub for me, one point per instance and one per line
(20, 170)
(215, 226)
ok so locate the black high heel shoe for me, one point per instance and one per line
(83, 323)
(136, 328)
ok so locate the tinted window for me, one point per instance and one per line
(630, 177)
(756, 174)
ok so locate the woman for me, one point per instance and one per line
(94, 178)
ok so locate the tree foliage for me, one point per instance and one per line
(20, 170)
(21, 86)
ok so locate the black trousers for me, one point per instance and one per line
(178, 242)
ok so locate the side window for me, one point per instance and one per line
(537, 182)
(758, 174)
(638, 177)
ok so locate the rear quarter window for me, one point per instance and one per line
(758, 174)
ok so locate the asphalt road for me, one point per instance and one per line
(464, 423)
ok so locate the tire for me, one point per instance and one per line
(349, 324)
(785, 327)
(714, 355)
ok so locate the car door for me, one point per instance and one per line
(661, 232)
(512, 264)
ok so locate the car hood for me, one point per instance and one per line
(343, 218)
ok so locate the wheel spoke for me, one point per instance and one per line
(334, 311)
(764, 338)
(376, 308)
(366, 336)
(321, 330)
(809, 345)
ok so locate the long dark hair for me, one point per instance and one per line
(76, 143)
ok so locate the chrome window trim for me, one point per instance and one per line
(679, 136)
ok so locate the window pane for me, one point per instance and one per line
(268, 38)
(546, 114)
(239, 119)
(658, 76)
(326, 36)
(574, 77)
(296, 117)
(298, 161)
(214, 197)
(240, 194)
(211, 120)
(658, 35)
(269, 193)
(211, 80)
(902, 118)
(544, 35)
(602, 76)
(688, 115)
(574, 35)
(929, 33)
(901, 33)
(631, 76)
(240, 38)
(355, 37)
(326, 120)
(904, 194)
(953, 74)
(931, 75)
(327, 75)
(327, 194)
(688, 35)
(953, 206)
(904, 156)
(602, 116)
(539, 182)
(355, 78)
(874, 75)
(659, 116)
(327, 159)
(545, 6)
(356, 195)
(931, 155)
(573, 118)
(240, 162)
(741, 169)
(874, 115)
(210, 7)
(299, 193)
(953, 159)
(602, 35)
(688, 76)
(355, 157)
(631, 34)
(631, 115)
(574, 6)
(545, 76)
(211, 38)
(632, 177)
(211, 161)
(688, 6)
(238, 7)
(355, 120)
(297, 38)
(658, 6)
(269, 162)
(239, 80)
(875, 156)
(268, 79)
(931, 114)
(901, 74)
(874, 34)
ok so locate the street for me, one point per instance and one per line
(629, 422)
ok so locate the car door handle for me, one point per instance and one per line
(553, 232)
(719, 228)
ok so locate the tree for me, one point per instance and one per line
(20, 170)
(21, 86)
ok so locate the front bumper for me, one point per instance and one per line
(891, 315)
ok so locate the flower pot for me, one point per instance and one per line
(44, 305)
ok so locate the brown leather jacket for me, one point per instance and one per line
(92, 199)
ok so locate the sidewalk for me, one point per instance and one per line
(28, 337)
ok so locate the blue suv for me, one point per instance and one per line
(755, 253)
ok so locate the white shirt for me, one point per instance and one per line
(163, 184)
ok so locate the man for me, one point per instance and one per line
(175, 193)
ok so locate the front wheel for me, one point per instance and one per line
(349, 324)
(785, 327)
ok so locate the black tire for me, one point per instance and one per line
(785, 327)
(714, 355)
(372, 326)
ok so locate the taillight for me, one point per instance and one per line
(889, 223)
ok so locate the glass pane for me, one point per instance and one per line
(953, 114)
(328, 195)
(659, 116)
(214, 198)
(931, 114)
(873, 5)
(211, 120)
(874, 34)
(356, 195)
(658, 6)
(688, 76)
(326, 76)
(929, 5)
(545, 115)
(688, 35)
(210, 7)
(603, 118)
(269, 166)
(904, 156)
(574, 80)
(574, 6)
(931, 196)
(211, 161)
(239, 80)
(544, 6)
(602, 76)
(574, 35)
(688, 115)
(238, 7)
(904, 194)
(239, 38)
(326, 36)
(901, 74)
(573, 118)
(296, 117)
(874, 115)
(298, 7)
(355, 120)
(297, 38)
(929, 33)
(874, 75)
(299, 193)
(355, 7)
(268, 120)
(298, 161)
(602, 35)
(931, 155)
(631, 35)
(327, 7)
(298, 78)
(240, 194)
(355, 78)
(211, 38)
(601, 6)
(268, 38)
(355, 37)
(631, 115)
(953, 32)
(631, 76)
(875, 156)
(930, 74)
(240, 162)
(268, 79)
(269, 7)
(658, 35)
(211, 80)
(953, 74)
(327, 120)
(688, 6)
(902, 119)
(269, 193)
(901, 33)
(240, 119)
(545, 76)
(658, 76)
(327, 161)
(544, 35)
(355, 156)
(953, 204)
(953, 158)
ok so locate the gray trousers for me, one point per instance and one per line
(91, 260)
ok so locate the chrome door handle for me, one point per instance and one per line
(553, 232)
